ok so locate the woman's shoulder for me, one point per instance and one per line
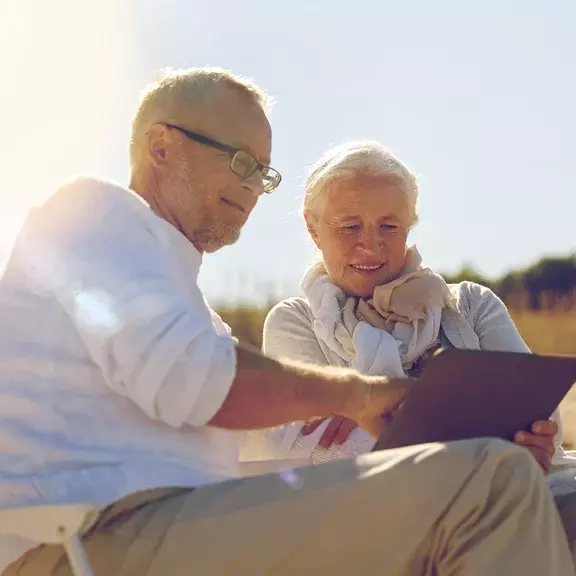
(289, 332)
(470, 290)
(471, 296)
(289, 311)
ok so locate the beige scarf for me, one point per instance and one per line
(406, 299)
(407, 309)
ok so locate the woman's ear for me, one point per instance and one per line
(312, 225)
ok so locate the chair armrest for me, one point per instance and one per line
(47, 524)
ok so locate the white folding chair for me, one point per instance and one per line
(64, 524)
(61, 524)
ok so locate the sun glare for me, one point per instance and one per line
(57, 92)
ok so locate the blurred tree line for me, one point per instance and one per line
(548, 285)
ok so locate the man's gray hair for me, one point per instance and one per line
(351, 158)
(166, 99)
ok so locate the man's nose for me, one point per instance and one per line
(255, 184)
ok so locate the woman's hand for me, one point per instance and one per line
(540, 441)
(337, 431)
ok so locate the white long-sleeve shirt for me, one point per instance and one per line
(111, 362)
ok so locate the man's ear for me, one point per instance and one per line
(157, 144)
(312, 225)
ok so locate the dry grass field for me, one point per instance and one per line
(544, 332)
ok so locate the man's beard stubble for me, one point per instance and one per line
(210, 237)
(204, 228)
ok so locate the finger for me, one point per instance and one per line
(396, 392)
(545, 443)
(330, 432)
(529, 439)
(541, 456)
(540, 440)
(375, 426)
(546, 427)
(309, 427)
(547, 439)
(344, 431)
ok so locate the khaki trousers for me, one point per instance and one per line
(476, 507)
(566, 504)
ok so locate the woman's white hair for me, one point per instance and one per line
(352, 158)
(166, 99)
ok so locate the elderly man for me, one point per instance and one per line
(119, 386)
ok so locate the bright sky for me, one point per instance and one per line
(478, 98)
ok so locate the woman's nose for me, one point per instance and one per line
(370, 242)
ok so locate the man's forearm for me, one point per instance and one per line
(268, 393)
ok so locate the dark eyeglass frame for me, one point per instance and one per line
(271, 178)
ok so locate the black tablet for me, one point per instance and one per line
(470, 394)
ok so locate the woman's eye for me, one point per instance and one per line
(352, 228)
(389, 227)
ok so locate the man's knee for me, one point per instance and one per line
(456, 460)
(491, 456)
(501, 457)
(485, 467)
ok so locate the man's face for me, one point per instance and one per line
(206, 201)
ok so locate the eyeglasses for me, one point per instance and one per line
(242, 163)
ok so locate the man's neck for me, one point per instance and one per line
(151, 192)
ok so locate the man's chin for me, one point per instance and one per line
(227, 238)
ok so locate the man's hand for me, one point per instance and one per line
(340, 427)
(540, 441)
(376, 401)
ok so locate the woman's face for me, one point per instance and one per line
(362, 232)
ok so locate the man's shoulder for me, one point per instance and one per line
(86, 207)
(96, 196)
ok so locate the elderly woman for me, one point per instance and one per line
(371, 304)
